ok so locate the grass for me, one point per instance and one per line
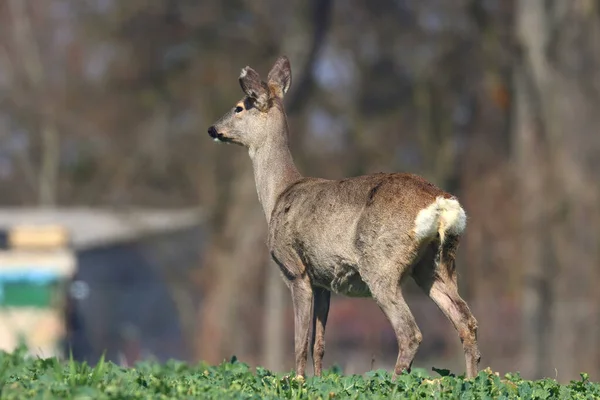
(33, 378)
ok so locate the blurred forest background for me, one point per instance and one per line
(106, 103)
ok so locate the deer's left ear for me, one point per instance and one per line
(280, 77)
(253, 87)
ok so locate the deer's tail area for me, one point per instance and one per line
(452, 220)
(444, 217)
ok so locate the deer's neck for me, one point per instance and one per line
(274, 171)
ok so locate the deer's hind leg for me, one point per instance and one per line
(436, 275)
(385, 287)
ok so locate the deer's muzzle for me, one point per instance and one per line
(217, 137)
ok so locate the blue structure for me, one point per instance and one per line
(119, 301)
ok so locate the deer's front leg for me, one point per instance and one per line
(302, 298)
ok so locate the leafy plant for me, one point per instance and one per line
(28, 377)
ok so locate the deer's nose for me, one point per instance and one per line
(212, 132)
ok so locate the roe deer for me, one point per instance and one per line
(357, 237)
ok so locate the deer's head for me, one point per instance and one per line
(259, 114)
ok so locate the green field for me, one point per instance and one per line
(30, 378)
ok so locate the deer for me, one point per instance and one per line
(358, 237)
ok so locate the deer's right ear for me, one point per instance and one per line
(280, 77)
(253, 87)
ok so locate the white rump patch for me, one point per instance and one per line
(444, 216)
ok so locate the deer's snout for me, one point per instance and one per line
(212, 132)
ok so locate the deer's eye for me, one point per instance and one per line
(238, 109)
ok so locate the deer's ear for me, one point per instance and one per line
(280, 77)
(254, 87)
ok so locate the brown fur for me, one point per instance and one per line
(355, 236)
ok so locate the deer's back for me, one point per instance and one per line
(327, 226)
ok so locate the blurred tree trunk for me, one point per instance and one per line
(529, 155)
(556, 135)
(29, 53)
(237, 251)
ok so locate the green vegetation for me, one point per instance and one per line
(22, 377)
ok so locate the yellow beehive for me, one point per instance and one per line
(43, 237)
